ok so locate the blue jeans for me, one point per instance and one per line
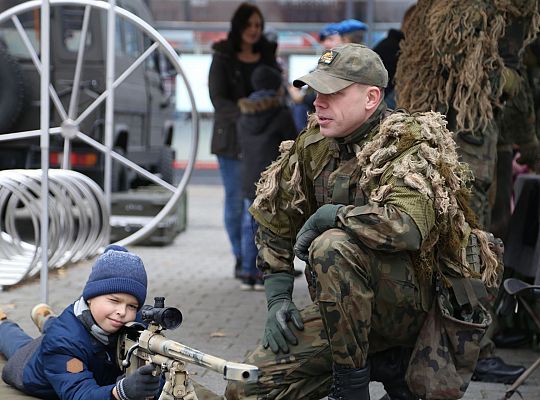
(249, 249)
(12, 337)
(232, 216)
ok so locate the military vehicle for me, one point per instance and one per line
(144, 101)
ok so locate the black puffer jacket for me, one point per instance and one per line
(264, 123)
(226, 87)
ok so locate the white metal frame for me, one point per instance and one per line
(70, 124)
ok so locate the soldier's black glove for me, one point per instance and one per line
(323, 219)
(281, 309)
(140, 385)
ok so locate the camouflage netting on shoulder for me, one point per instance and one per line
(449, 59)
(418, 149)
(522, 9)
(269, 183)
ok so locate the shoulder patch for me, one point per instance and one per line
(74, 366)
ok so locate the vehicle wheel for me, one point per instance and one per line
(165, 166)
(11, 92)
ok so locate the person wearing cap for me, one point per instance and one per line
(346, 31)
(330, 36)
(352, 31)
(75, 357)
(371, 201)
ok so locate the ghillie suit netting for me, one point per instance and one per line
(450, 60)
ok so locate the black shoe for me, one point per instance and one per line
(238, 269)
(495, 370)
(350, 384)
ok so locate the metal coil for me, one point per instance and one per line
(78, 221)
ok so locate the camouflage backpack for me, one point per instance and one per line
(447, 348)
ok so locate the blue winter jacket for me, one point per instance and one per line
(45, 374)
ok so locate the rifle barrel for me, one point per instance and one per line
(230, 370)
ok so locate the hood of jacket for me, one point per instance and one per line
(260, 111)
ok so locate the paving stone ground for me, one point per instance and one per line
(195, 274)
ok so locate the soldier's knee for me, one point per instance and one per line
(327, 244)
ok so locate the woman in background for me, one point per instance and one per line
(229, 80)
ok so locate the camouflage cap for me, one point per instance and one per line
(344, 65)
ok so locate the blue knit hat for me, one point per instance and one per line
(117, 271)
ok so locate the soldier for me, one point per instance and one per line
(456, 58)
(375, 203)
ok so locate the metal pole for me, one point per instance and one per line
(109, 105)
(370, 14)
(44, 120)
(349, 9)
(74, 100)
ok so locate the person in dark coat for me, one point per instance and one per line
(265, 122)
(233, 62)
(75, 357)
(388, 50)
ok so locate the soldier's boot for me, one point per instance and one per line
(350, 384)
(40, 314)
(389, 368)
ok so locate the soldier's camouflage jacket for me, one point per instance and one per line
(397, 175)
(318, 170)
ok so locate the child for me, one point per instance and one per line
(75, 356)
(265, 121)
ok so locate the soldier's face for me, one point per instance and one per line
(112, 311)
(341, 113)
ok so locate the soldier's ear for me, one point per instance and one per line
(374, 96)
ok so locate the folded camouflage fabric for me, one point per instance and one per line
(447, 348)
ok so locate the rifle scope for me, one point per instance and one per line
(167, 317)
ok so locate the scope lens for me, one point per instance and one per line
(170, 318)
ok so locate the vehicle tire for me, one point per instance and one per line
(165, 166)
(11, 90)
(120, 177)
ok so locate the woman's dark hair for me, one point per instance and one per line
(239, 22)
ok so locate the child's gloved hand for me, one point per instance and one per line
(140, 385)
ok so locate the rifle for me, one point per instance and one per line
(139, 345)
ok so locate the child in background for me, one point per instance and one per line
(75, 356)
(265, 121)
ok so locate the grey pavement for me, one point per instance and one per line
(195, 274)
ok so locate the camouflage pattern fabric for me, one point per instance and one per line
(304, 373)
(447, 349)
(480, 154)
(376, 292)
(370, 290)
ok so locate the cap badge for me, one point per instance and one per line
(327, 57)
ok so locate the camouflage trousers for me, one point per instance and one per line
(366, 301)
(481, 155)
